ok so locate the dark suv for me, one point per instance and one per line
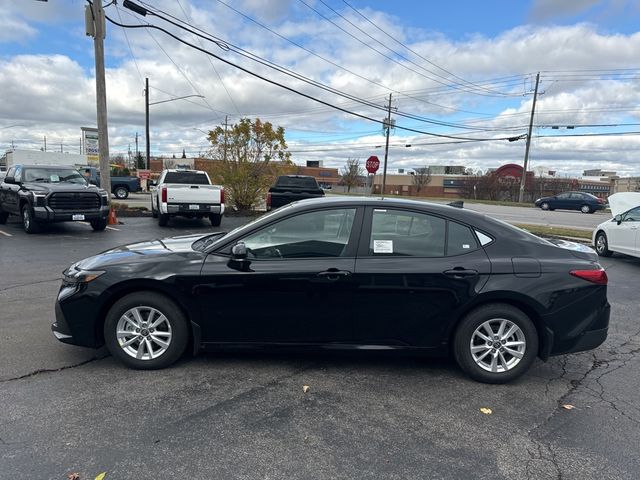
(51, 193)
(585, 202)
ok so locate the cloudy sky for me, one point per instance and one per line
(461, 75)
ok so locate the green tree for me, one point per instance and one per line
(351, 173)
(140, 163)
(249, 154)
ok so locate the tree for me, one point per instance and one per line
(249, 154)
(421, 178)
(140, 161)
(351, 173)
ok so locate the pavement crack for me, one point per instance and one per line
(52, 370)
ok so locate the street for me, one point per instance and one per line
(69, 409)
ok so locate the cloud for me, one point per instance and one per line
(543, 10)
(14, 29)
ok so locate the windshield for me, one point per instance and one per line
(53, 175)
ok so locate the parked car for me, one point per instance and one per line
(51, 193)
(585, 202)
(291, 188)
(621, 233)
(186, 193)
(343, 273)
(120, 186)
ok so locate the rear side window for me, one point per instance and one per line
(191, 178)
(299, 182)
(460, 239)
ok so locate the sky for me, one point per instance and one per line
(461, 76)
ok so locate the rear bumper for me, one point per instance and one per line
(588, 337)
(46, 214)
(203, 209)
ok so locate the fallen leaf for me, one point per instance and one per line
(567, 406)
(73, 476)
(305, 388)
(101, 476)
(486, 411)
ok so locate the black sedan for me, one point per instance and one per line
(584, 202)
(343, 273)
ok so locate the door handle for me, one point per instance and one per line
(334, 274)
(459, 272)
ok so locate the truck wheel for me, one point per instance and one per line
(154, 212)
(215, 219)
(163, 219)
(121, 192)
(99, 225)
(3, 217)
(28, 220)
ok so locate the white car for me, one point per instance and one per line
(622, 233)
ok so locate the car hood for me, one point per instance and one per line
(60, 187)
(149, 250)
(623, 201)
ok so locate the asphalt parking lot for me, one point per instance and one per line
(68, 409)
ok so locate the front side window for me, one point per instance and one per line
(323, 233)
(564, 196)
(632, 215)
(18, 174)
(400, 233)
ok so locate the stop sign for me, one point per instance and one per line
(372, 164)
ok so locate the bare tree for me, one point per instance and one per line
(351, 173)
(421, 178)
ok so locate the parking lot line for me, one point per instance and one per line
(113, 228)
(6, 234)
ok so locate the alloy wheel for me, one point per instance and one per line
(498, 345)
(144, 333)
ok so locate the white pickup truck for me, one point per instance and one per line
(186, 193)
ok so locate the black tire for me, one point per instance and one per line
(466, 337)
(586, 209)
(163, 219)
(121, 192)
(3, 217)
(544, 206)
(174, 329)
(602, 245)
(215, 219)
(100, 224)
(154, 212)
(29, 223)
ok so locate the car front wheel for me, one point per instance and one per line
(495, 343)
(602, 245)
(544, 206)
(146, 330)
(28, 220)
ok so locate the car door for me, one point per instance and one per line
(10, 191)
(414, 270)
(297, 288)
(624, 238)
(562, 201)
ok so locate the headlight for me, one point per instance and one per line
(38, 198)
(75, 275)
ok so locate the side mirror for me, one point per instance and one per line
(238, 260)
(9, 180)
(618, 218)
(153, 183)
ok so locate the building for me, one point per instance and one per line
(628, 184)
(597, 172)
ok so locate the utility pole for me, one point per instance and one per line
(523, 179)
(387, 124)
(136, 147)
(146, 122)
(45, 143)
(225, 138)
(96, 27)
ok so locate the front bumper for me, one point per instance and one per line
(47, 214)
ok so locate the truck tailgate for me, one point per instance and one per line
(196, 194)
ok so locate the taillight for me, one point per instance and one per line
(269, 200)
(164, 194)
(600, 201)
(595, 276)
(221, 196)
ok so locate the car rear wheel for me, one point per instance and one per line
(495, 343)
(28, 220)
(544, 206)
(602, 245)
(146, 330)
(3, 217)
(215, 219)
(163, 219)
(586, 209)
(121, 193)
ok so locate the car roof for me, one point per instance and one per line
(43, 165)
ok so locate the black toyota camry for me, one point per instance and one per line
(343, 273)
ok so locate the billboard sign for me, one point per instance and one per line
(90, 144)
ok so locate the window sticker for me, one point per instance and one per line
(465, 246)
(54, 178)
(383, 246)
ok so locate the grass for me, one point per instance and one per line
(543, 230)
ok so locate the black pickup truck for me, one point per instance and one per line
(51, 193)
(290, 188)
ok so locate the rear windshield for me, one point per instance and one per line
(300, 182)
(192, 178)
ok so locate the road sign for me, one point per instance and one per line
(373, 163)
